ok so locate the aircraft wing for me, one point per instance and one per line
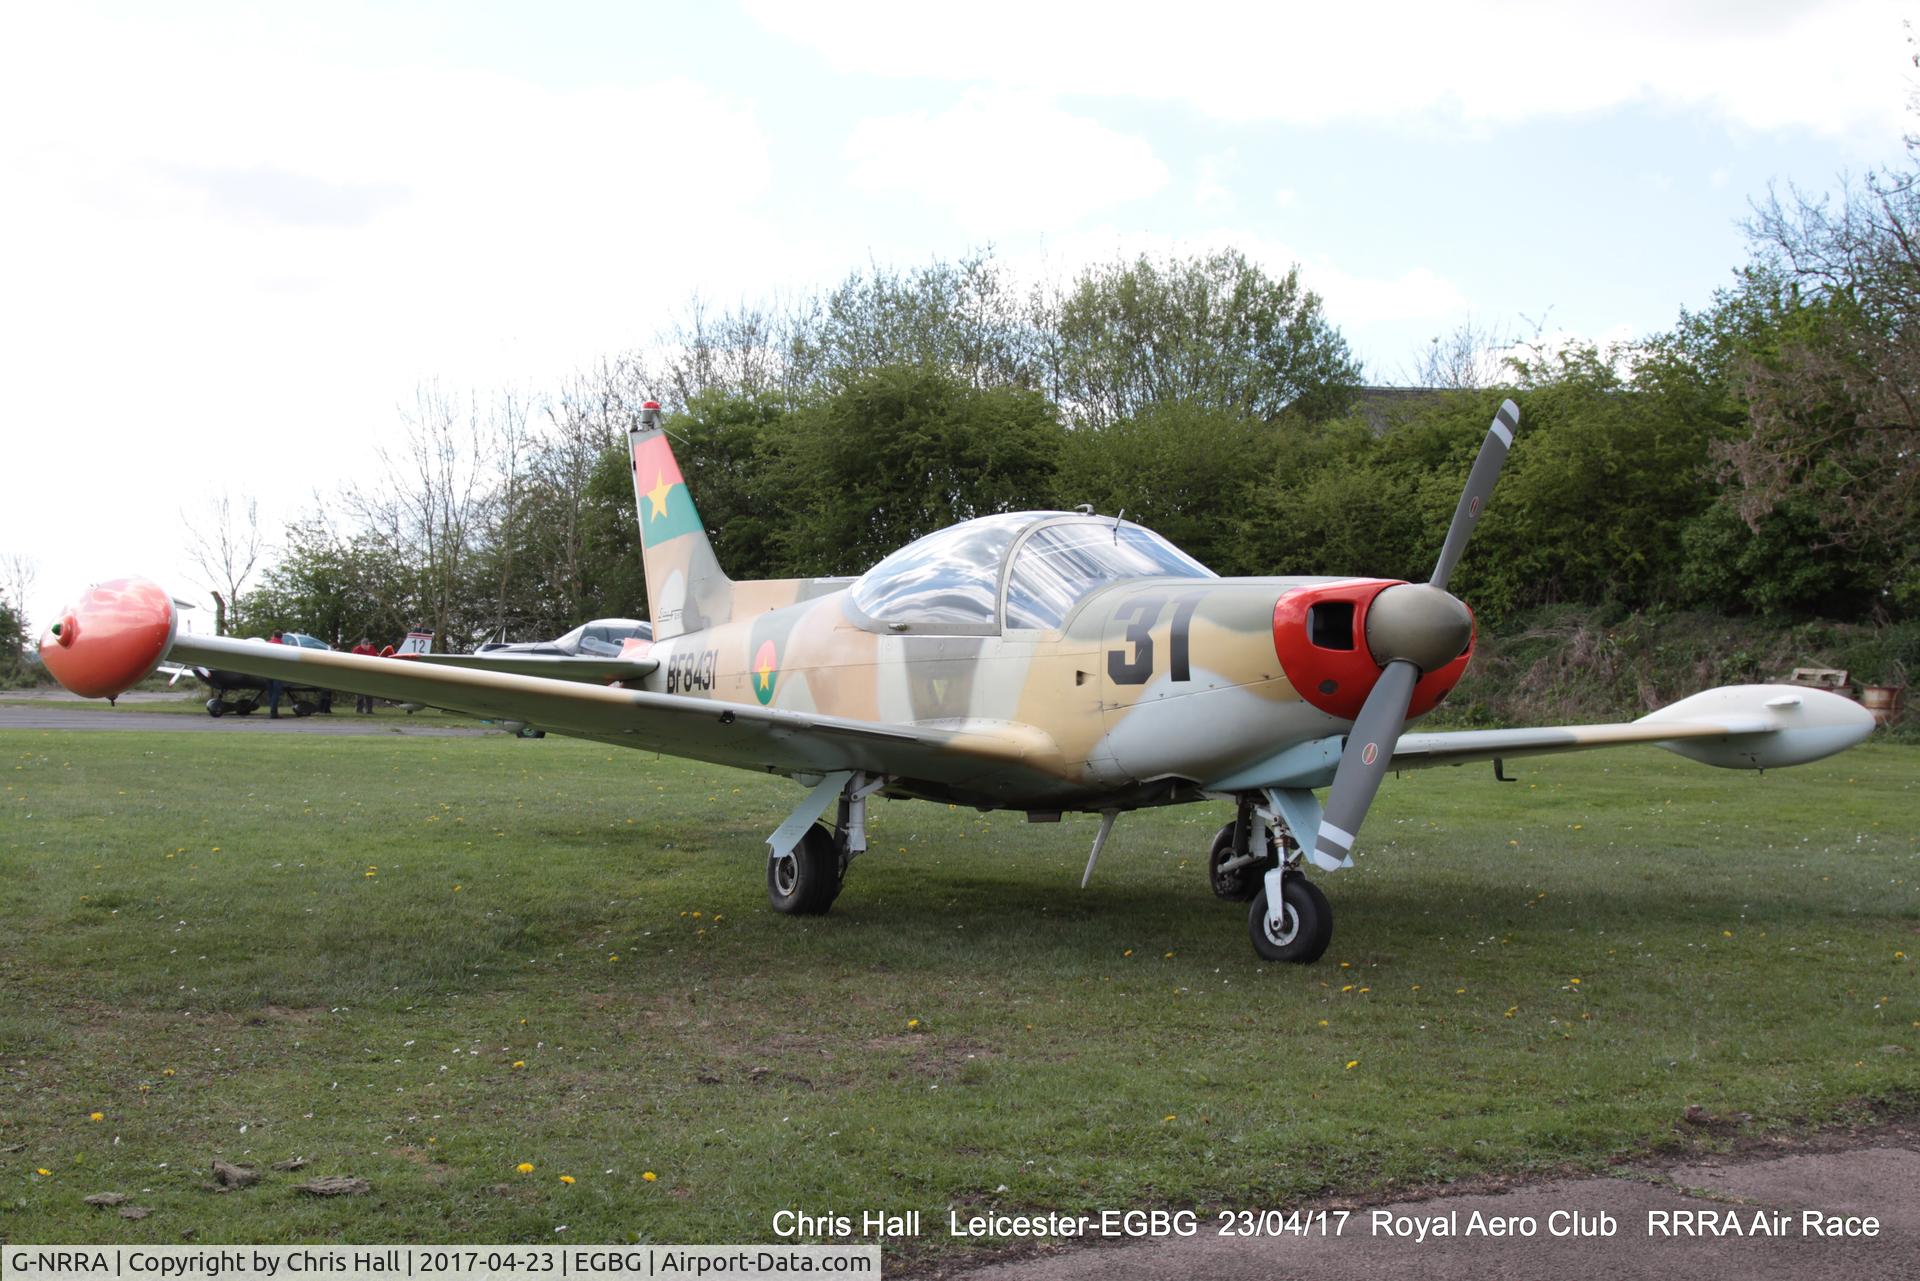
(566, 667)
(749, 736)
(1736, 726)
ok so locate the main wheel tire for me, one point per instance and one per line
(215, 707)
(805, 880)
(1303, 930)
(1241, 883)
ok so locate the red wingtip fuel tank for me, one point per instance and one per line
(112, 639)
(1319, 634)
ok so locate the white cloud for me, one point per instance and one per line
(226, 260)
(1833, 66)
(1000, 161)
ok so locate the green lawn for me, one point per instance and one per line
(426, 961)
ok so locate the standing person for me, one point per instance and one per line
(274, 687)
(364, 702)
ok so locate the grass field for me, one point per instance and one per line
(426, 962)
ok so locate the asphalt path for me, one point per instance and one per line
(1644, 1223)
(14, 716)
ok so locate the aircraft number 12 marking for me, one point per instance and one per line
(1140, 616)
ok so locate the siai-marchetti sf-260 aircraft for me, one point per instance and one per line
(1035, 661)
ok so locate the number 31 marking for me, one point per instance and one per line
(1140, 616)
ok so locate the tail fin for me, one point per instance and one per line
(686, 591)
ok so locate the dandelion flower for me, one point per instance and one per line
(1352, 1064)
(44, 1172)
(1347, 987)
(613, 956)
(1575, 982)
(650, 1177)
(912, 1024)
(1323, 1022)
(166, 1071)
(1168, 1117)
(96, 1116)
(519, 1063)
(525, 1167)
(567, 1179)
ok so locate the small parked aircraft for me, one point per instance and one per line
(1029, 661)
(595, 651)
(241, 693)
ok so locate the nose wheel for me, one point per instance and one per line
(1299, 930)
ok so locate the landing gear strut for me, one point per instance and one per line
(1234, 870)
(1255, 859)
(806, 861)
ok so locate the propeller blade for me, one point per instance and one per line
(1364, 762)
(1486, 470)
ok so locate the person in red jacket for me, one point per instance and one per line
(364, 702)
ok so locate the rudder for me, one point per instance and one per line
(686, 590)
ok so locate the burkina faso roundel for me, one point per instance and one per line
(766, 671)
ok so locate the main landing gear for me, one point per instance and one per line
(806, 860)
(807, 878)
(1255, 860)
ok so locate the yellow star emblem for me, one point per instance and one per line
(764, 673)
(658, 494)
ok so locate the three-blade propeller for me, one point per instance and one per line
(1411, 629)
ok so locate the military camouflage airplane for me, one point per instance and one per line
(1034, 661)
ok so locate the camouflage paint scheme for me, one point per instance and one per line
(778, 676)
(1148, 691)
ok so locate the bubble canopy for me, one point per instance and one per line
(1024, 569)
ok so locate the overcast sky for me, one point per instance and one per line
(234, 238)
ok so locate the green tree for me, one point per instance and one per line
(730, 449)
(1191, 473)
(967, 319)
(337, 588)
(1214, 332)
(1342, 500)
(901, 452)
(1834, 414)
(14, 645)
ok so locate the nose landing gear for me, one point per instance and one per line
(1256, 860)
(1300, 930)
